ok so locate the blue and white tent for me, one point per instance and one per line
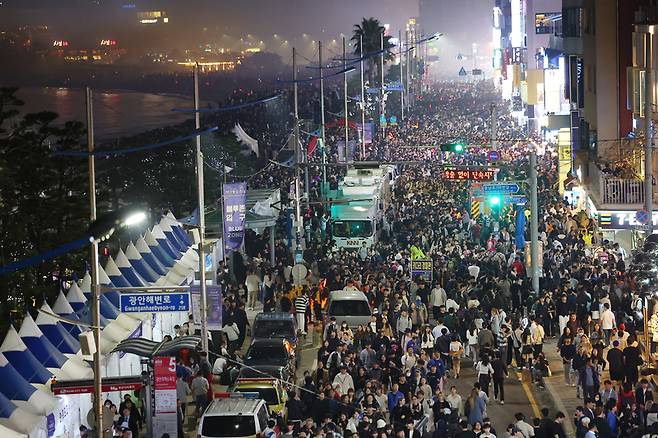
(129, 273)
(150, 258)
(177, 228)
(140, 265)
(165, 243)
(20, 420)
(48, 354)
(163, 256)
(21, 393)
(26, 363)
(63, 308)
(115, 275)
(76, 297)
(56, 333)
(6, 432)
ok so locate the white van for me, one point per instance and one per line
(350, 306)
(234, 415)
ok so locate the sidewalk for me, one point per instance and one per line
(564, 397)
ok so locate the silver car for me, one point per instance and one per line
(350, 306)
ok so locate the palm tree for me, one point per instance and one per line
(370, 29)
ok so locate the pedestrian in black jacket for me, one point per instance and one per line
(615, 359)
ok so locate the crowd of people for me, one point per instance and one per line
(396, 375)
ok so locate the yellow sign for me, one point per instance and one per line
(564, 157)
(475, 209)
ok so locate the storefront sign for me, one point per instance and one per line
(87, 386)
(622, 220)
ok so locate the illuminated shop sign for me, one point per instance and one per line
(621, 220)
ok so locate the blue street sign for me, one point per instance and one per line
(504, 188)
(519, 199)
(155, 302)
(494, 155)
(395, 86)
(372, 90)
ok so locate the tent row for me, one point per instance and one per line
(47, 348)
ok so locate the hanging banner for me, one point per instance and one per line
(214, 296)
(235, 197)
(519, 238)
(368, 131)
(164, 387)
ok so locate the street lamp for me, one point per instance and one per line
(99, 230)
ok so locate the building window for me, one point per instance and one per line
(545, 22)
(572, 22)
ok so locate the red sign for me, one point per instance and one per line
(164, 373)
(89, 388)
(468, 175)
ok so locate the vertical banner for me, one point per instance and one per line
(214, 316)
(235, 197)
(340, 148)
(164, 385)
(369, 126)
(519, 239)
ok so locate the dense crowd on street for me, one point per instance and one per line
(395, 376)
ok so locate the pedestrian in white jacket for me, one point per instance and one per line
(344, 381)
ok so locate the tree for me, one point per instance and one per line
(42, 199)
(370, 29)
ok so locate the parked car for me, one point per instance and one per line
(263, 354)
(276, 325)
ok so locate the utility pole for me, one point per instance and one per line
(363, 102)
(382, 115)
(648, 115)
(298, 212)
(324, 154)
(406, 66)
(401, 82)
(494, 131)
(534, 224)
(347, 131)
(95, 281)
(202, 217)
(307, 183)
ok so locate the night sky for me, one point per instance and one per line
(188, 18)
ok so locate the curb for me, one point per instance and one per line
(568, 425)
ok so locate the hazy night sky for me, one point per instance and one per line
(262, 18)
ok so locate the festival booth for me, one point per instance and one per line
(45, 351)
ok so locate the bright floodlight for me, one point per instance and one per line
(134, 218)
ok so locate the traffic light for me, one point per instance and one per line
(494, 201)
(457, 148)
